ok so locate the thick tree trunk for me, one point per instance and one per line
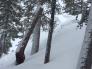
(36, 39)
(85, 58)
(20, 57)
(1, 48)
(48, 48)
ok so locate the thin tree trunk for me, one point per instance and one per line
(85, 58)
(36, 39)
(48, 47)
(20, 57)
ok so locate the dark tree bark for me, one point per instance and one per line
(1, 48)
(88, 59)
(85, 58)
(20, 57)
(48, 47)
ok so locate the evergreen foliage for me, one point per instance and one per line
(10, 26)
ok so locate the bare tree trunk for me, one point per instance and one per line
(36, 39)
(20, 57)
(48, 48)
(85, 58)
(1, 48)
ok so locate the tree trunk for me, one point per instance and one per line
(85, 58)
(36, 39)
(1, 48)
(48, 48)
(20, 57)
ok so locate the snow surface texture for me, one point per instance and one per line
(66, 46)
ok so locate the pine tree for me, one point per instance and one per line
(85, 60)
(10, 14)
(51, 25)
(76, 7)
(31, 20)
(1, 48)
(29, 14)
(20, 57)
(44, 24)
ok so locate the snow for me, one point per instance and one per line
(14, 44)
(66, 46)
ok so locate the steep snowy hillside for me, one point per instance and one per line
(66, 46)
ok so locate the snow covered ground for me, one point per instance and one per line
(66, 46)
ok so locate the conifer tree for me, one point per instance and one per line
(51, 25)
(10, 26)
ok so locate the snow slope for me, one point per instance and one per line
(66, 46)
